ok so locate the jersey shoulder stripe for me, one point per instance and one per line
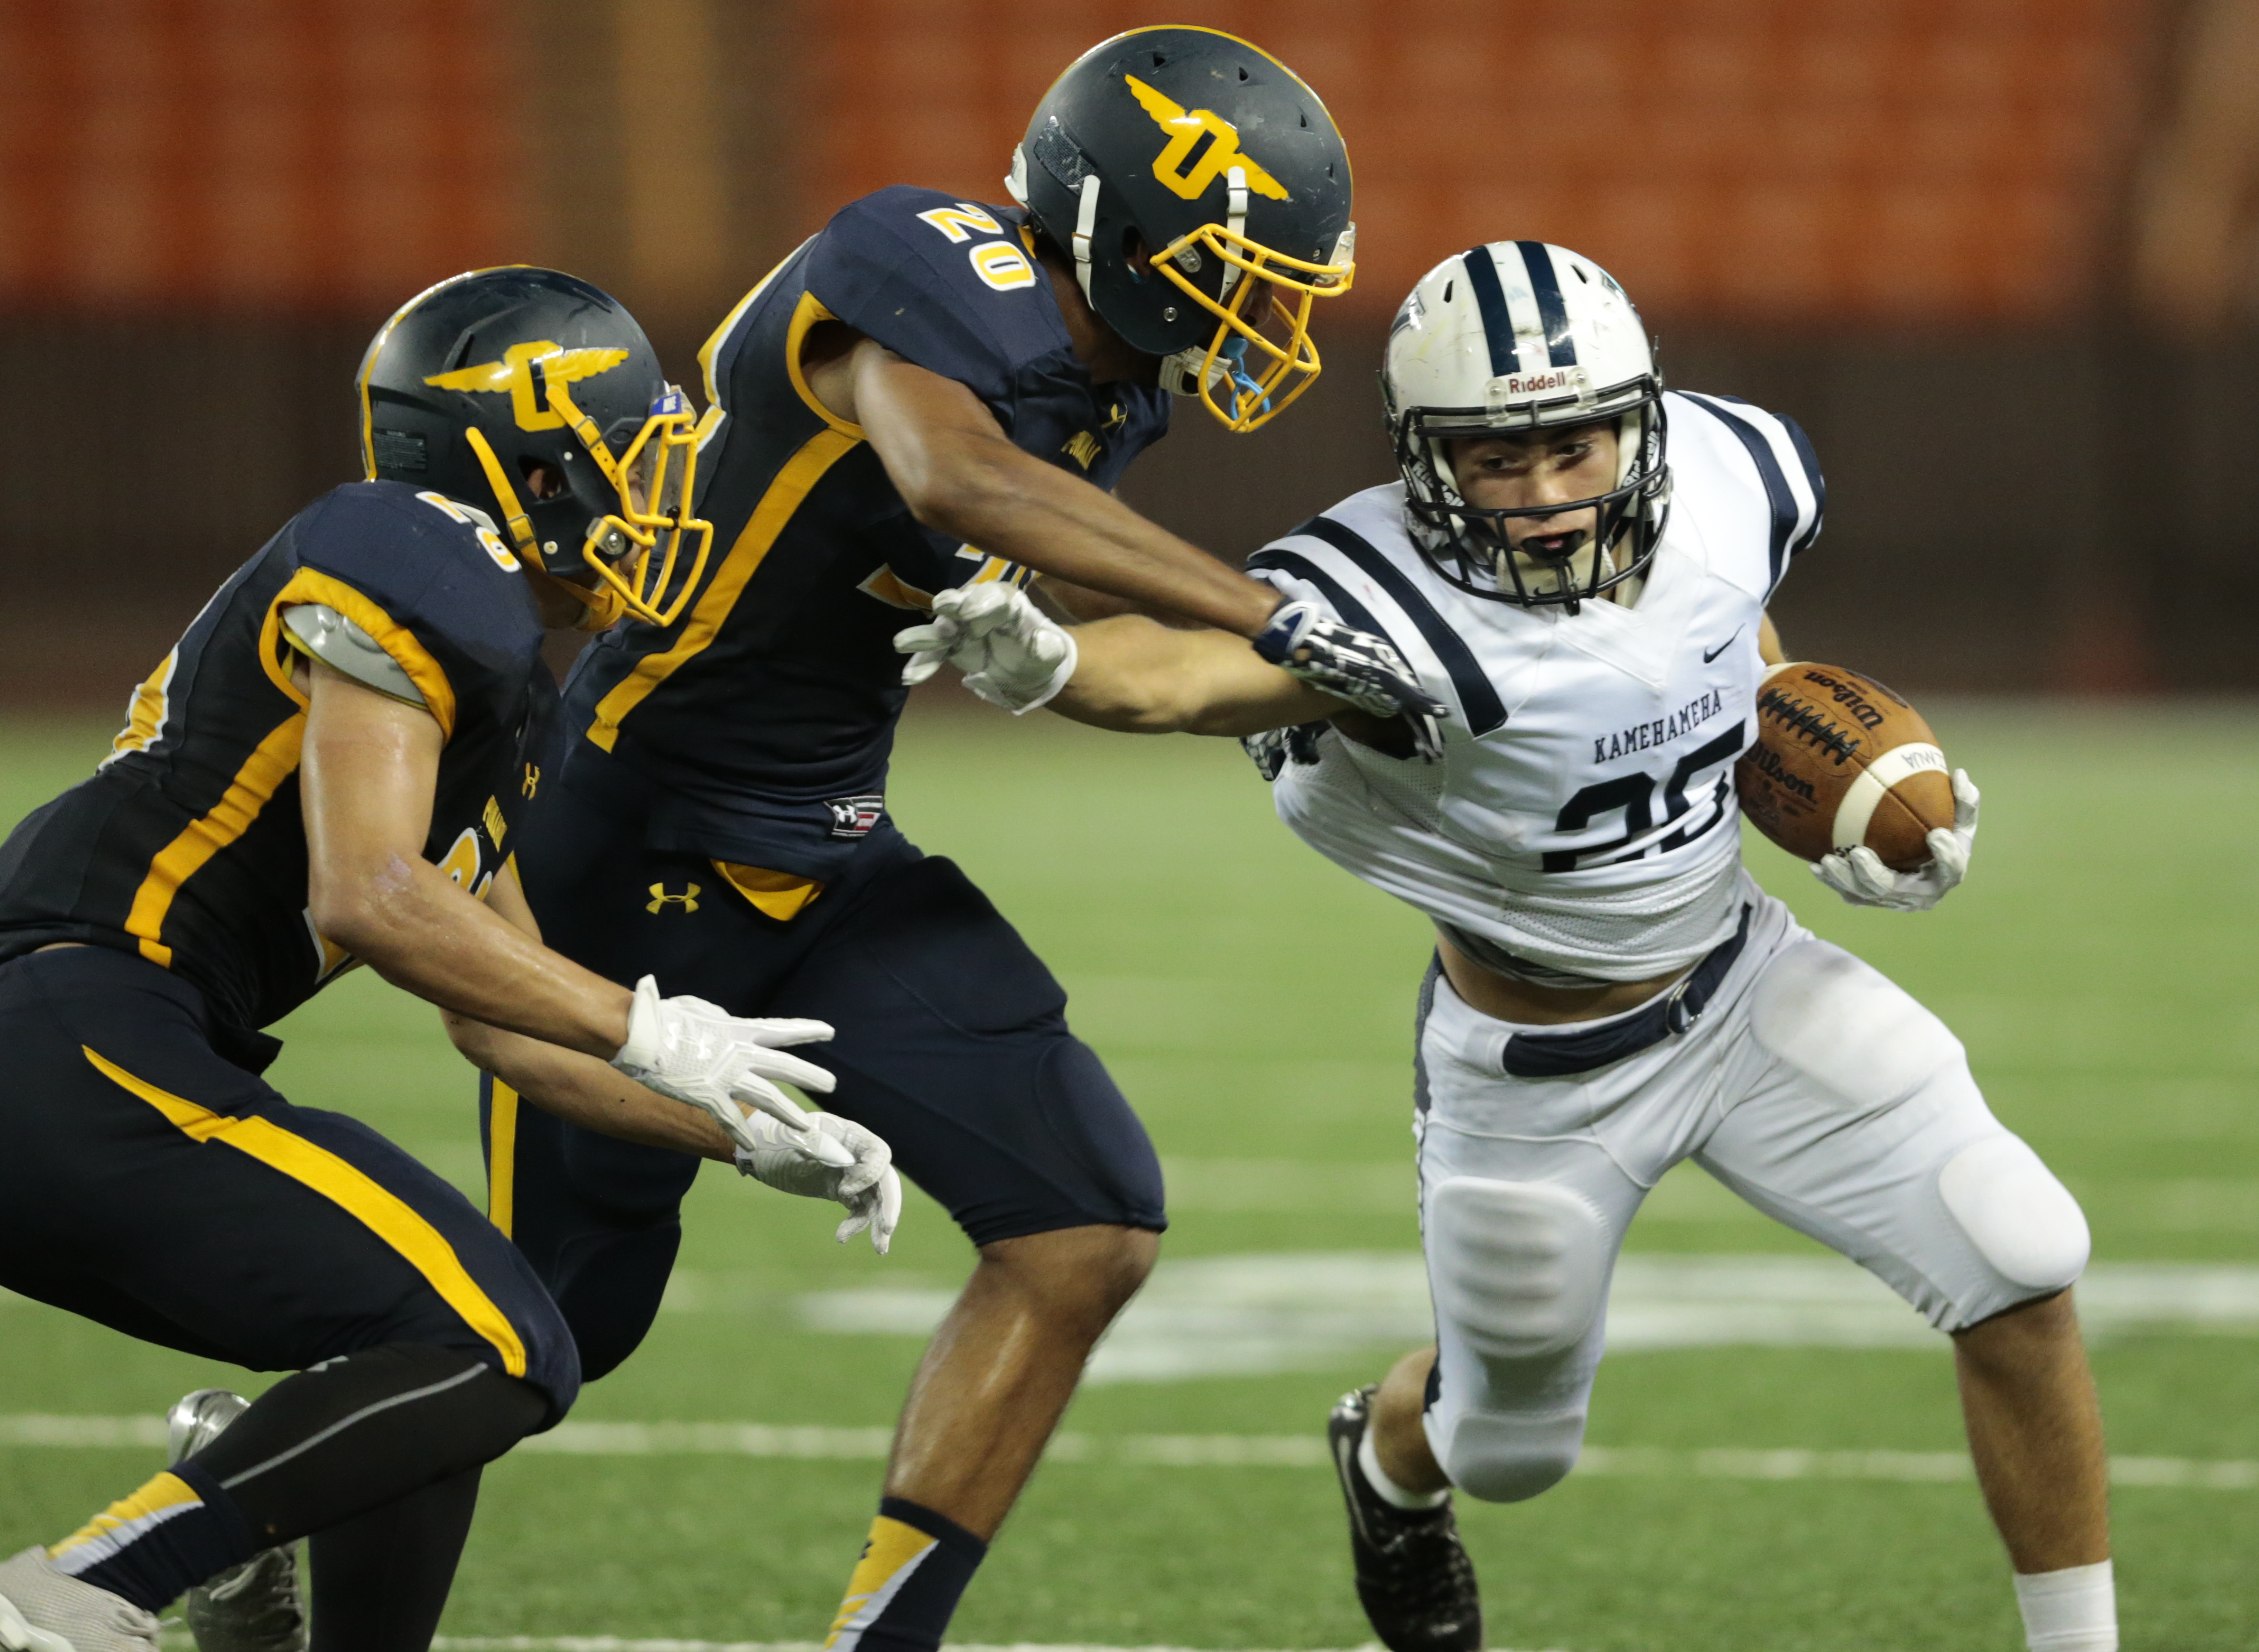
(1795, 520)
(1800, 444)
(1477, 698)
(1346, 606)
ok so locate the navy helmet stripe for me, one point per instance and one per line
(1497, 320)
(1776, 479)
(1537, 259)
(1478, 699)
(1350, 611)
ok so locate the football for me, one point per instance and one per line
(1840, 760)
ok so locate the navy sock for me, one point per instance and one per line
(914, 1569)
(154, 1546)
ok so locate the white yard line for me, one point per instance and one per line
(813, 1443)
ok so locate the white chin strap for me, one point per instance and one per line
(1015, 181)
(1085, 220)
(1235, 224)
(1180, 374)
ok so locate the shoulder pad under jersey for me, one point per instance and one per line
(318, 630)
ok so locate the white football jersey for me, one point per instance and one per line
(1583, 817)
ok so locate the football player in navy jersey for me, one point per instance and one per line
(331, 769)
(932, 392)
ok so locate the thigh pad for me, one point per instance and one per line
(1847, 1026)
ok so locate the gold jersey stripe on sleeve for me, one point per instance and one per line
(376, 1207)
(310, 585)
(806, 314)
(793, 484)
(253, 787)
(502, 1157)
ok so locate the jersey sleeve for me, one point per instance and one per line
(943, 283)
(1787, 471)
(430, 585)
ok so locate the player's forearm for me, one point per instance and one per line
(959, 472)
(424, 933)
(1022, 509)
(584, 1091)
(1141, 678)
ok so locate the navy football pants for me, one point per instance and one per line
(951, 1042)
(150, 1184)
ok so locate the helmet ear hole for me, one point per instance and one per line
(544, 480)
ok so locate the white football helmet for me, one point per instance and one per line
(1506, 338)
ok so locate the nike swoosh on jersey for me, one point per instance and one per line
(1712, 654)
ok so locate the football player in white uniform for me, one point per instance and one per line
(1577, 564)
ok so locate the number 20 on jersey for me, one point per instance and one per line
(999, 263)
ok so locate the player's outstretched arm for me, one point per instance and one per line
(959, 472)
(1125, 672)
(1148, 679)
(1142, 678)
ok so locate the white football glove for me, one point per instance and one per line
(1860, 876)
(705, 1058)
(1011, 654)
(867, 1185)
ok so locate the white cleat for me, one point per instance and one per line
(254, 1607)
(42, 1610)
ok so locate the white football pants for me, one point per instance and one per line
(1810, 1086)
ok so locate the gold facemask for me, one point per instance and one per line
(653, 480)
(1288, 364)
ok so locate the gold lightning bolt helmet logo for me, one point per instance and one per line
(636, 551)
(1261, 356)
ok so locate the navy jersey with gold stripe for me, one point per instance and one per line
(765, 713)
(188, 847)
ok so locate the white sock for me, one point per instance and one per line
(1368, 1464)
(2074, 1610)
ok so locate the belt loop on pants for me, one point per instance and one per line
(1558, 1055)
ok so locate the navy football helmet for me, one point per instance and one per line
(478, 383)
(1204, 193)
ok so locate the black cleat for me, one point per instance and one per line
(1414, 1578)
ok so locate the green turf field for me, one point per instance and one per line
(1256, 1003)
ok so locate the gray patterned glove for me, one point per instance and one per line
(1353, 665)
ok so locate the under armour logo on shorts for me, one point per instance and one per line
(854, 816)
(687, 899)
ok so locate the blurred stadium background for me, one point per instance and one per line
(2000, 257)
(1996, 255)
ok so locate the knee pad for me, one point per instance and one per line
(2022, 1220)
(1519, 1269)
(1847, 1026)
(1511, 1459)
